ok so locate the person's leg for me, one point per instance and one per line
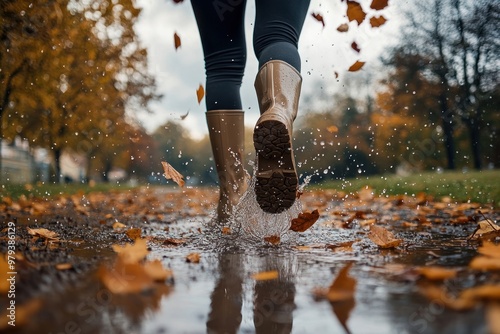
(221, 27)
(278, 25)
(222, 32)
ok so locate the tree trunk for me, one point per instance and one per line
(475, 134)
(447, 121)
(57, 161)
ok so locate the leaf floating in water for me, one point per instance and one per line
(382, 237)
(266, 275)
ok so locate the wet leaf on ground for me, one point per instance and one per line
(193, 257)
(382, 237)
(43, 233)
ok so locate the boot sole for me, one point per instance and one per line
(276, 186)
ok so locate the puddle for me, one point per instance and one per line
(220, 295)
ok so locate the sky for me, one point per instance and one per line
(326, 55)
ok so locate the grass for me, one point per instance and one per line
(475, 186)
(50, 190)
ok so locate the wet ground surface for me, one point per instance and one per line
(220, 293)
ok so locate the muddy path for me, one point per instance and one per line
(148, 261)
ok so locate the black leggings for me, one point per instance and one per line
(277, 28)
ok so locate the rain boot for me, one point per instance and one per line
(226, 130)
(278, 87)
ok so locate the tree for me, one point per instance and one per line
(451, 47)
(86, 76)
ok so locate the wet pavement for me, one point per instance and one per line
(220, 294)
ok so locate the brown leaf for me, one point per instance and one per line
(344, 27)
(273, 239)
(156, 271)
(438, 295)
(134, 233)
(132, 253)
(118, 226)
(356, 66)
(490, 249)
(482, 292)
(177, 41)
(382, 237)
(342, 246)
(43, 233)
(125, 278)
(200, 93)
(266, 275)
(355, 12)
(4, 269)
(377, 21)
(379, 4)
(355, 47)
(24, 313)
(493, 318)
(171, 173)
(319, 18)
(436, 273)
(64, 266)
(343, 287)
(193, 258)
(486, 229)
(484, 263)
(174, 241)
(304, 221)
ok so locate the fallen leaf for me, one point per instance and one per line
(382, 237)
(484, 263)
(171, 173)
(134, 233)
(486, 229)
(344, 27)
(64, 266)
(482, 292)
(24, 313)
(193, 258)
(4, 269)
(132, 253)
(379, 4)
(355, 12)
(319, 18)
(266, 275)
(336, 77)
(366, 193)
(43, 233)
(342, 246)
(438, 295)
(226, 230)
(200, 93)
(436, 273)
(490, 249)
(304, 221)
(174, 241)
(118, 226)
(356, 66)
(377, 21)
(125, 278)
(273, 239)
(355, 47)
(177, 41)
(493, 318)
(156, 271)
